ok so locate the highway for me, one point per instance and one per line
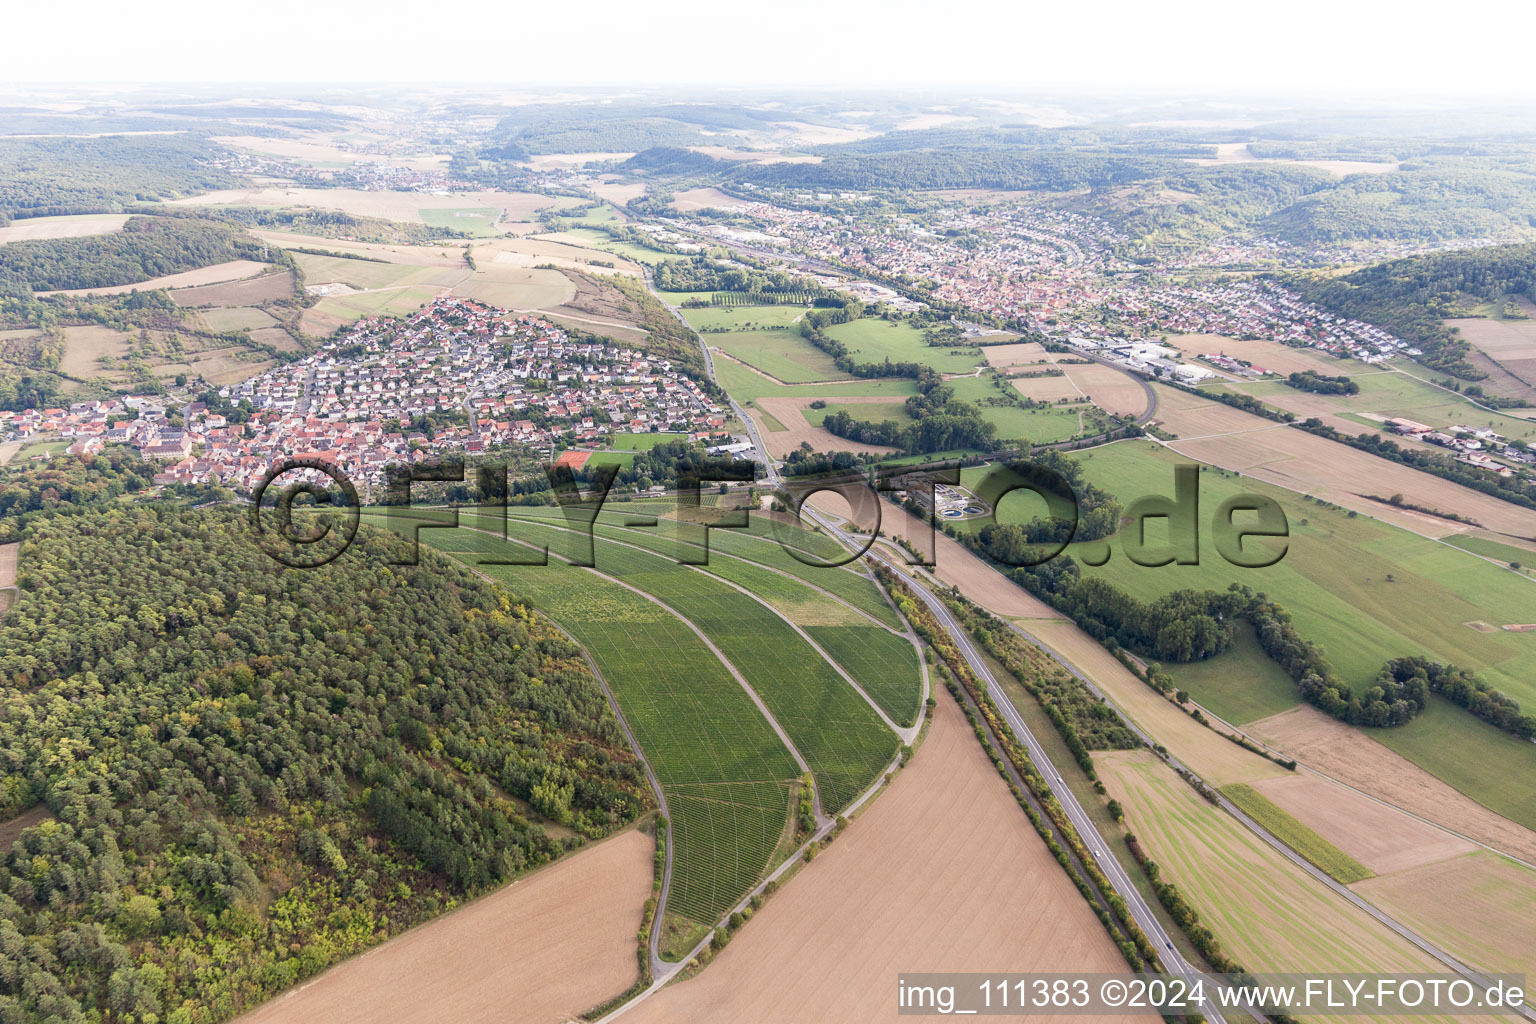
(1140, 911)
(1110, 866)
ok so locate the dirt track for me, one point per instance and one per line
(942, 873)
(541, 950)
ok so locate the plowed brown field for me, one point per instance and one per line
(942, 873)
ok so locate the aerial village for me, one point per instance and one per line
(455, 377)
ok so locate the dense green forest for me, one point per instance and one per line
(1411, 297)
(919, 169)
(146, 248)
(559, 128)
(250, 773)
(44, 176)
(1165, 201)
(702, 274)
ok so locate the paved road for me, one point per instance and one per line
(770, 470)
(1011, 713)
(1140, 911)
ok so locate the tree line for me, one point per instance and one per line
(1322, 383)
(1187, 625)
(55, 176)
(146, 248)
(1412, 297)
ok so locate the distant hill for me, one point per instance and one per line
(45, 176)
(1412, 297)
(146, 248)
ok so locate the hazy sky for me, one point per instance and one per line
(1308, 47)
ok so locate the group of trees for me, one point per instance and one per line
(1182, 626)
(702, 274)
(1020, 544)
(1412, 297)
(46, 176)
(1188, 625)
(146, 247)
(1322, 383)
(940, 422)
(250, 773)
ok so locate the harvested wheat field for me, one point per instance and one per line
(254, 291)
(911, 886)
(1112, 390)
(1236, 440)
(85, 346)
(1022, 353)
(1379, 836)
(1510, 345)
(321, 148)
(277, 337)
(448, 254)
(1271, 355)
(515, 287)
(8, 450)
(619, 193)
(1347, 754)
(1479, 907)
(397, 206)
(548, 249)
(1266, 912)
(789, 413)
(546, 161)
(8, 565)
(1047, 389)
(550, 946)
(234, 270)
(705, 199)
(36, 228)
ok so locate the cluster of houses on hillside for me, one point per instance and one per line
(457, 376)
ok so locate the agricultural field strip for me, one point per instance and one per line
(1263, 912)
(907, 734)
(1085, 826)
(755, 544)
(672, 724)
(810, 729)
(874, 667)
(1118, 879)
(638, 533)
(1302, 862)
(838, 728)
